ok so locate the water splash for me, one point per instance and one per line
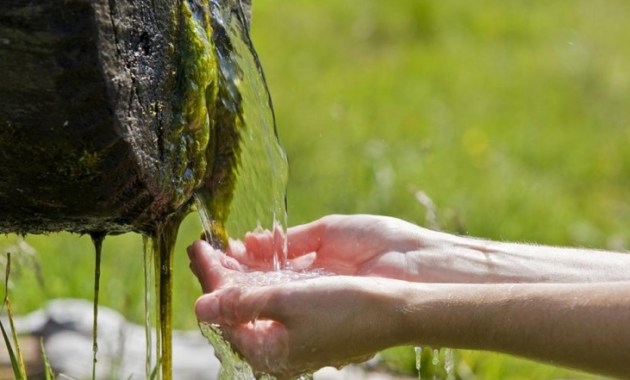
(232, 365)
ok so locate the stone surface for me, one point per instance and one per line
(85, 97)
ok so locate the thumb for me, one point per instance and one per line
(236, 305)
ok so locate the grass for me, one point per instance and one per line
(511, 115)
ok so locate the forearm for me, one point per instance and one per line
(584, 326)
(462, 259)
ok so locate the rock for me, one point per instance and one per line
(88, 141)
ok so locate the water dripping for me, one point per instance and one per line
(163, 250)
(149, 306)
(449, 364)
(207, 221)
(97, 240)
(435, 360)
(436, 357)
(418, 351)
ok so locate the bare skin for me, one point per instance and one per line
(563, 306)
(369, 245)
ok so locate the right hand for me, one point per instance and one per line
(364, 245)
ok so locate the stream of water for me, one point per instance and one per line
(255, 172)
(148, 304)
(258, 198)
(447, 372)
(418, 352)
(97, 240)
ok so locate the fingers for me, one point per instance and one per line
(304, 239)
(301, 263)
(210, 266)
(301, 240)
(246, 316)
(236, 305)
(260, 250)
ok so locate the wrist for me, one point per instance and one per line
(390, 304)
(457, 259)
(444, 315)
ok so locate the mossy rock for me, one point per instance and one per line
(88, 102)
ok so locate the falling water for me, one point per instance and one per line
(436, 362)
(163, 247)
(261, 173)
(449, 364)
(149, 306)
(245, 187)
(418, 351)
(436, 357)
(97, 240)
(232, 365)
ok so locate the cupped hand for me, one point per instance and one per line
(364, 245)
(294, 327)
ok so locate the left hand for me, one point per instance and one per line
(294, 327)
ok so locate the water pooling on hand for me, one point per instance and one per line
(232, 364)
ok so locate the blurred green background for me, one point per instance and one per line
(510, 115)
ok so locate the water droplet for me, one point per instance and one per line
(449, 364)
(436, 357)
(418, 351)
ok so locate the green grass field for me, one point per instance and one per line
(511, 115)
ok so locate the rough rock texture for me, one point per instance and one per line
(84, 96)
(86, 101)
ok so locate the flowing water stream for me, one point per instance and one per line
(418, 352)
(258, 192)
(449, 364)
(436, 372)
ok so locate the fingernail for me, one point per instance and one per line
(207, 308)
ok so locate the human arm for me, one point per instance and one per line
(332, 320)
(580, 326)
(380, 246)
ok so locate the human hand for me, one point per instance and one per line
(294, 327)
(365, 245)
